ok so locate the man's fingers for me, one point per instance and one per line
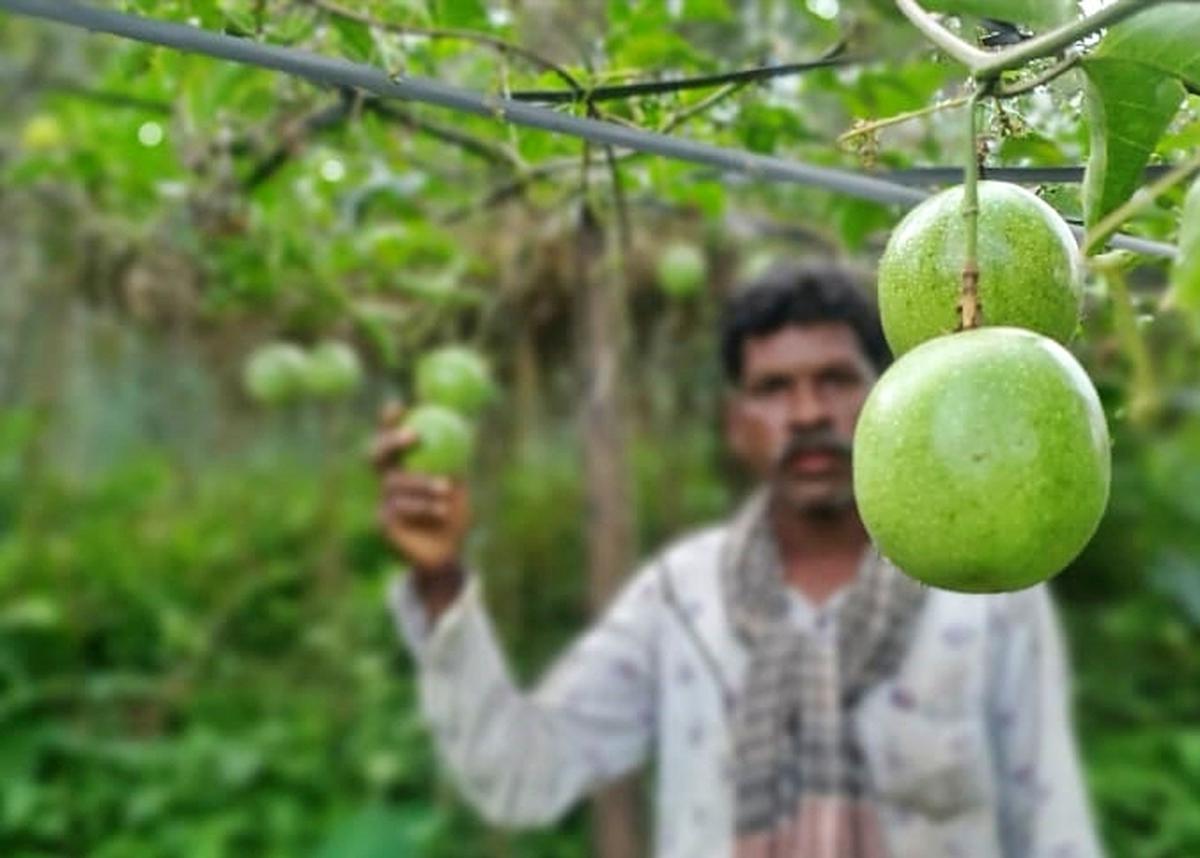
(391, 414)
(387, 446)
(416, 510)
(406, 482)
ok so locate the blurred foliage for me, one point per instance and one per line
(201, 664)
(194, 655)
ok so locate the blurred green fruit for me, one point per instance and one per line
(1030, 272)
(682, 270)
(445, 442)
(332, 370)
(456, 377)
(982, 461)
(275, 373)
(42, 133)
(755, 265)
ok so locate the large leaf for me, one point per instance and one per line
(1134, 90)
(1185, 278)
(1129, 106)
(1035, 13)
(1164, 38)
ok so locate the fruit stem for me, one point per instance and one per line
(970, 310)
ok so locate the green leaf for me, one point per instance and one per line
(762, 128)
(1185, 277)
(355, 38)
(1163, 38)
(463, 13)
(1035, 13)
(856, 220)
(239, 14)
(707, 10)
(1129, 107)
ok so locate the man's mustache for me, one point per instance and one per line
(815, 441)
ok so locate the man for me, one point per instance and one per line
(803, 697)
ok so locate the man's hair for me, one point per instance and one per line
(801, 293)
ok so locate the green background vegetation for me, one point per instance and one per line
(194, 653)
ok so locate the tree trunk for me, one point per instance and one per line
(616, 828)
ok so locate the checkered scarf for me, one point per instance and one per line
(801, 784)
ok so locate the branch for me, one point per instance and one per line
(985, 66)
(950, 44)
(631, 90)
(100, 96)
(875, 125)
(704, 104)
(1069, 60)
(484, 149)
(334, 115)
(1138, 201)
(548, 168)
(292, 140)
(1055, 41)
(494, 42)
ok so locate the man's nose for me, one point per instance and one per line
(807, 407)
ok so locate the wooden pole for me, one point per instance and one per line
(616, 826)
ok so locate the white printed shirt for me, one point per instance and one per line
(969, 746)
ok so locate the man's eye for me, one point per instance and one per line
(840, 378)
(769, 387)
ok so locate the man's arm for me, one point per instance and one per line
(1044, 807)
(524, 758)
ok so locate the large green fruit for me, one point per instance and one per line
(332, 370)
(456, 377)
(275, 373)
(682, 270)
(981, 460)
(1030, 272)
(445, 441)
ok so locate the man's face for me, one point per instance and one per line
(791, 419)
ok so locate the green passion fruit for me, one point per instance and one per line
(332, 370)
(682, 270)
(982, 461)
(1030, 272)
(445, 442)
(275, 373)
(455, 377)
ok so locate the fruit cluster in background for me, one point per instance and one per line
(279, 372)
(452, 384)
